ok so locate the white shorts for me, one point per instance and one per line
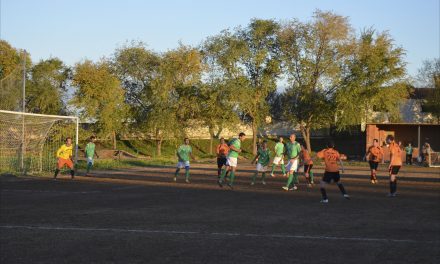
(292, 166)
(89, 160)
(261, 168)
(183, 164)
(278, 160)
(231, 161)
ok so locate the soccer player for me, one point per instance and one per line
(395, 164)
(64, 156)
(279, 157)
(331, 157)
(262, 158)
(90, 153)
(222, 150)
(184, 152)
(308, 165)
(231, 160)
(374, 155)
(292, 151)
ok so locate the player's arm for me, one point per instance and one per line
(178, 155)
(59, 152)
(341, 163)
(235, 149)
(255, 158)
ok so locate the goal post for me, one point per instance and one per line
(28, 142)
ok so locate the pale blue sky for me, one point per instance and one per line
(78, 29)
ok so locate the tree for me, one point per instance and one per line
(312, 55)
(429, 76)
(248, 62)
(11, 76)
(99, 97)
(372, 80)
(47, 86)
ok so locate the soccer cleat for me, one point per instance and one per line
(187, 181)
(309, 185)
(272, 175)
(312, 182)
(372, 181)
(263, 182)
(220, 183)
(324, 201)
(294, 188)
(252, 183)
(285, 188)
(230, 186)
(346, 196)
(284, 175)
(392, 194)
(175, 179)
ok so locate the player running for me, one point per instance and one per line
(231, 160)
(90, 153)
(308, 165)
(262, 158)
(395, 164)
(292, 151)
(279, 157)
(331, 157)
(184, 152)
(374, 155)
(222, 150)
(64, 156)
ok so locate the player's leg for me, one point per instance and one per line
(307, 175)
(232, 176)
(325, 180)
(254, 177)
(220, 164)
(69, 164)
(263, 177)
(336, 179)
(187, 172)
(295, 174)
(176, 173)
(60, 164)
(393, 180)
(312, 181)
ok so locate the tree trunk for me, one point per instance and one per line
(158, 143)
(305, 131)
(211, 139)
(254, 138)
(114, 140)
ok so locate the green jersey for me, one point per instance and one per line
(279, 149)
(184, 152)
(292, 149)
(264, 156)
(408, 150)
(90, 150)
(236, 143)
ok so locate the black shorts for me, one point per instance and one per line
(221, 162)
(394, 170)
(308, 168)
(329, 176)
(373, 165)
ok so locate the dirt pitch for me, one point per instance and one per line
(139, 216)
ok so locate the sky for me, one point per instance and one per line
(74, 30)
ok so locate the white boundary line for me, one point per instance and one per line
(171, 232)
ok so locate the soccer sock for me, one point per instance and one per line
(374, 176)
(289, 181)
(341, 188)
(72, 173)
(187, 174)
(283, 169)
(394, 186)
(89, 166)
(219, 171)
(231, 180)
(56, 173)
(263, 176)
(222, 175)
(273, 168)
(177, 172)
(295, 178)
(254, 177)
(311, 176)
(371, 176)
(323, 193)
(391, 187)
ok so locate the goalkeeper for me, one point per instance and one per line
(64, 156)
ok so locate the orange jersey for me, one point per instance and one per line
(331, 158)
(222, 150)
(306, 157)
(375, 153)
(396, 154)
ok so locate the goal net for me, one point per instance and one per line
(28, 142)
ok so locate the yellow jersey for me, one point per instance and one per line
(65, 152)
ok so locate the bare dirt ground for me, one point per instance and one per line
(139, 215)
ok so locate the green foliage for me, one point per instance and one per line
(429, 76)
(47, 87)
(99, 96)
